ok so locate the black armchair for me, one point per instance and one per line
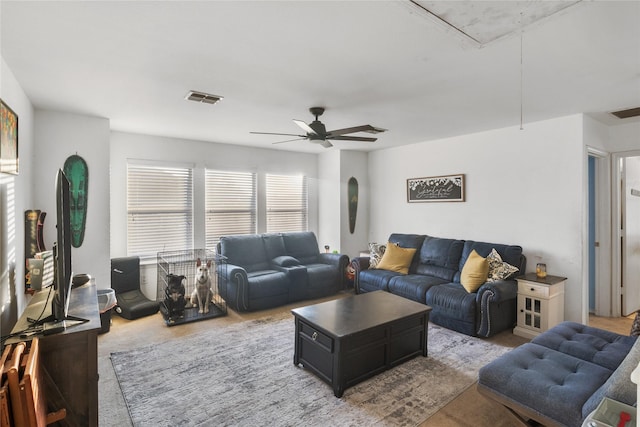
(125, 280)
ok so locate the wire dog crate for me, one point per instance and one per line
(176, 291)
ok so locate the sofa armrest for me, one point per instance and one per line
(358, 264)
(331, 259)
(488, 297)
(340, 262)
(234, 286)
(501, 290)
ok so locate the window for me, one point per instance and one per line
(230, 204)
(159, 209)
(286, 203)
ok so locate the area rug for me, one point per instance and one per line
(243, 375)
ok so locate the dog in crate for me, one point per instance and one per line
(174, 295)
(202, 294)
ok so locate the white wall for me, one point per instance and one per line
(625, 137)
(329, 199)
(16, 196)
(59, 135)
(201, 155)
(335, 167)
(523, 187)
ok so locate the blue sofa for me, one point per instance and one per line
(268, 270)
(561, 376)
(434, 279)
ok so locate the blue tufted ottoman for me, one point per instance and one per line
(560, 376)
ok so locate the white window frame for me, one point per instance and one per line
(287, 203)
(173, 225)
(233, 201)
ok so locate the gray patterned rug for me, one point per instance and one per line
(243, 375)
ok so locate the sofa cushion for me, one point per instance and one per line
(543, 379)
(439, 257)
(274, 245)
(619, 385)
(246, 250)
(265, 283)
(376, 250)
(409, 241)
(321, 275)
(396, 258)
(375, 280)
(302, 245)
(498, 269)
(475, 272)
(452, 307)
(413, 286)
(509, 253)
(594, 345)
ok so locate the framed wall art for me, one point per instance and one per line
(448, 188)
(8, 140)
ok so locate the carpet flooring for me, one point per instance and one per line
(243, 374)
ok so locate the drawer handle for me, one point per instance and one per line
(314, 336)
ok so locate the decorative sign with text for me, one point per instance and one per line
(449, 188)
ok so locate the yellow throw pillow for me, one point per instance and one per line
(475, 272)
(396, 258)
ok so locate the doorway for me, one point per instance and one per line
(628, 262)
(598, 242)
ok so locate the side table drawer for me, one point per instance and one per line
(533, 289)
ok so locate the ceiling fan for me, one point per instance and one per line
(317, 132)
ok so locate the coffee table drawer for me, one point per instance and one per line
(319, 338)
(316, 351)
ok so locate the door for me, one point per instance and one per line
(598, 240)
(592, 232)
(630, 234)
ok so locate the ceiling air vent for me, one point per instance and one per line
(626, 114)
(206, 98)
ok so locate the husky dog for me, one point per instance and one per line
(174, 299)
(202, 294)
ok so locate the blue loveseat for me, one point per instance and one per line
(268, 270)
(434, 279)
(561, 376)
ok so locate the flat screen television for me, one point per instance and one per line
(60, 318)
(62, 249)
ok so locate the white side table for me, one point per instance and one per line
(540, 304)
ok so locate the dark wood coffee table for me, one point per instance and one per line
(348, 340)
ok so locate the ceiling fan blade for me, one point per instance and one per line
(305, 126)
(326, 144)
(289, 140)
(283, 134)
(352, 138)
(363, 128)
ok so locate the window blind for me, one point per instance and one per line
(159, 209)
(287, 204)
(230, 204)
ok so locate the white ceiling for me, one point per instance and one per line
(390, 64)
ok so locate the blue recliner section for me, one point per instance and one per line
(269, 270)
(434, 279)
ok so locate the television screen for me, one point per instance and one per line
(62, 248)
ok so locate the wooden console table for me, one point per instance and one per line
(70, 358)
